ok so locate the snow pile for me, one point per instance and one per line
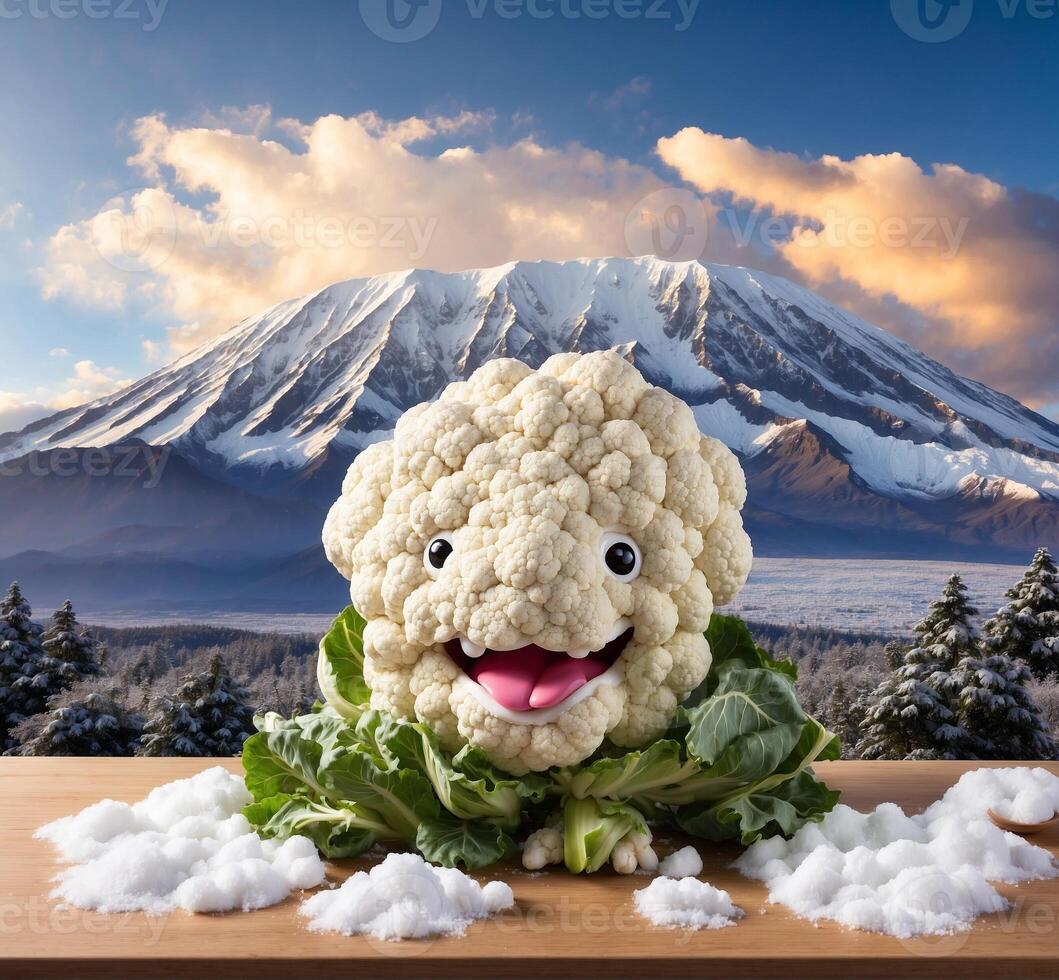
(405, 898)
(685, 863)
(186, 846)
(906, 876)
(1029, 807)
(686, 904)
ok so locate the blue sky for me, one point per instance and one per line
(809, 77)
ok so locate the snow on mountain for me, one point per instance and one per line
(753, 353)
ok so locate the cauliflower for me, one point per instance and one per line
(537, 555)
(631, 853)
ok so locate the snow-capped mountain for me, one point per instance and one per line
(840, 425)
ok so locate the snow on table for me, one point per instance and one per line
(560, 924)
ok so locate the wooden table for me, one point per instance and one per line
(563, 925)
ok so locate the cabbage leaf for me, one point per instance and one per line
(735, 765)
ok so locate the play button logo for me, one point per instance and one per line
(932, 21)
(400, 21)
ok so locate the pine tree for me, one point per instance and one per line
(21, 657)
(997, 713)
(84, 721)
(1027, 628)
(210, 715)
(912, 713)
(849, 718)
(71, 655)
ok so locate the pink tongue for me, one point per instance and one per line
(560, 680)
(532, 677)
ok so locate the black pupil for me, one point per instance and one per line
(438, 552)
(621, 559)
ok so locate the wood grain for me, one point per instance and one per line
(563, 925)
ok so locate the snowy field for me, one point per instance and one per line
(883, 596)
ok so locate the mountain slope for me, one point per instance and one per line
(841, 426)
(131, 499)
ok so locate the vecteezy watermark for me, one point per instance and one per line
(670, 223)
(40, 917)
(404, 21)
(303, 230)
(673, 224)
(1020, 915)
(148, 12)
(933, 21)
(400, 21)
(941, 234)
(134, 462)
(138, 231)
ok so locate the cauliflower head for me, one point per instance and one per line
(537, 555)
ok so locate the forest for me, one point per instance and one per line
(961, 687)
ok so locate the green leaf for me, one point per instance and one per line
(786, 667)
(749, 725)
(755, 815)
(401, 797)
(340, 669)
(778, 803)
(635, 774)
(449, 841)
(281, 762)
(467, 785)
(592, 827)
(732, 645)
(337, 832)
(474, 763)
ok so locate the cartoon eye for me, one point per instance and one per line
(621, 556)
(437, 553)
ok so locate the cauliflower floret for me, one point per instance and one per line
(543, 847)
(632, 852)
(522, 475)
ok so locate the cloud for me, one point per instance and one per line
(253, 119)
(244, 211)
(88, 382)
(632, 92)
(11, 214)
(16, 412)
(973, 263)
(336, 198)
(152, 351)
(58, 352)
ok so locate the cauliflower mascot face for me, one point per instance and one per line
(537, 554)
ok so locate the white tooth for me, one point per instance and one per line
(471, 649)
(579, 654)
(619, 627)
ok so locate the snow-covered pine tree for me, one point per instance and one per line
(87, 720)
(844, 714)
(71, 655)
(1027, 628)
(20, 660)
(912, 714)
(997, 713)
(210, 715)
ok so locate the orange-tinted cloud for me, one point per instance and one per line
(348, 197)
(975, 260)
(242, 211)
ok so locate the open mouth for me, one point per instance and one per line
(531, 678)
